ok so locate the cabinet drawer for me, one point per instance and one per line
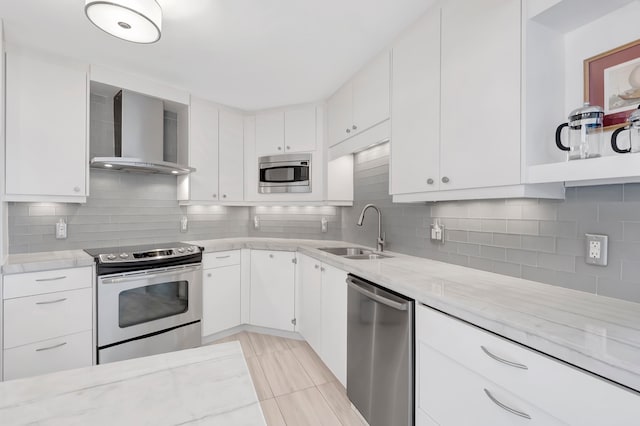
(489, 355)
(20, 285)
(453, 395)
(61, 353)
(45, 316)
(221, 258)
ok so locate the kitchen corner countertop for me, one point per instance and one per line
(596, 333)
(208, 385)
(34, 262)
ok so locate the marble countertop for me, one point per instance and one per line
(209, 385)
(42, 261)
(596, 333)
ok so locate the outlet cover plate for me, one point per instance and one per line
(591, 247)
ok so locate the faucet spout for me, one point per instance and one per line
(380, 241)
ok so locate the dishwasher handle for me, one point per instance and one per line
(354, 284)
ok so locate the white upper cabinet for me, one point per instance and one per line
(46, 128)
(203, 151)
(231, 156)
(216, 150)
(415, 107)
(480, 133)
(283, 132)
(362, 102)
(456, 106)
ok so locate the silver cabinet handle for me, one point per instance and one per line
(51, 301)
(376, 297)
(506, 407)
(354, 127)
(445, 179)
(348, 130)
(288, 147)
(224, 195)
(271, 256)
(76, 189)
(322, 269)
(215, 195)
(51, 347)
(316, 266)
(279, 148)
(51, 279)
(502, 360)
(430, 181)
(209, 275)
(223, 257)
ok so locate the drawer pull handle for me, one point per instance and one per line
(506, 407)
(51, 301)
(51, 279)
(502, 360)
(52, 347)
(223, 257)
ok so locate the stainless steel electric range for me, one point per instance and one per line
(149, 299)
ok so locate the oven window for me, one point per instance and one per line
(152, 302)
(285, 174)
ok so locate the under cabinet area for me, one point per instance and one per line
(47, 321)
(47, 101)
(321, 306)
(272, 289)
(221, 291)
(500, 382)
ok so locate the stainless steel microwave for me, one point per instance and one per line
(285, 173)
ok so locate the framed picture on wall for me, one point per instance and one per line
(612, 81)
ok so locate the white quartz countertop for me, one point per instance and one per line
(47, 260)
(596, 333)
(209, 385)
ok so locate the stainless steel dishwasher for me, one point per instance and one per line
(380, 344)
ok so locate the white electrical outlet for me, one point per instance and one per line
(324, 224)
(596, 250)
(184, 224)
(437, 231)
(61, 230)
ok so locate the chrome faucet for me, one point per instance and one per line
(381, 234)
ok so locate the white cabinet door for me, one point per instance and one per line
(231, 161)
(480, 127)
(371, 94)
(269, 133)
(415, 123)
(308, 314)
(340, 114)
(300, 129)
(203, 151)
(46, 127)
(334, 321)
(272, 289)
(220, 299)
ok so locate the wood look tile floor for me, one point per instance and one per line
(294, 386)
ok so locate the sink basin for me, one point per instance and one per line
(356, 253)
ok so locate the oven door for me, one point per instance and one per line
(134, 304)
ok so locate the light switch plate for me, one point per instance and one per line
(596, 249)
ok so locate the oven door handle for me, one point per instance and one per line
(138, 275)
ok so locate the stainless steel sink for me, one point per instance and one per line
(357, 253)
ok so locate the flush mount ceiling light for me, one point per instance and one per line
(139, 21)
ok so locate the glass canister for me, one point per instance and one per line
(586, 138)
(633, 126)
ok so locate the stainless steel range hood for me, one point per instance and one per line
(138, 137)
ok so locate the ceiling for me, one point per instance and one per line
(249, 54)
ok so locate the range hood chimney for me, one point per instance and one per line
(138, 137)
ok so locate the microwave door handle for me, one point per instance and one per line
(138, 275)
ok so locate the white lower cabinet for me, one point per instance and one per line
(322, 317)
(466, 375)
(47, 321)
(272, 289)
(220, 291)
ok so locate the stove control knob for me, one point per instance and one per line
(181, 250)
(111, 256)
(124, 255)
(190, 249)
